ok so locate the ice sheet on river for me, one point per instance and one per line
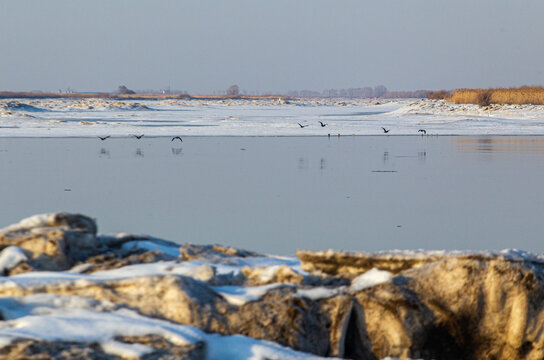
(92, 117)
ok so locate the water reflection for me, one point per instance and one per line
(448, 201)
(177, 151)
(385, 156)
(489, 144)
(139, 153)
(421, 155)
(104, 153)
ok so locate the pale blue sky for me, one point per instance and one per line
(203, 46)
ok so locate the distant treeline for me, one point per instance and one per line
(45, 95)
(421, 94)
(379, 91)
(484, 97)
(74, 95)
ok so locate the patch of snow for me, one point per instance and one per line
(370, 278)
(125, 350)
(10, 257)
(239, 295)
(320, 292)
(34, 221)
(185, 268)
(239, 347)
(150, 246)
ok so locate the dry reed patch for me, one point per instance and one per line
(484, 97)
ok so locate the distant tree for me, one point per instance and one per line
(379, 90)
(330, 93)
(233, 90)
(122, 89)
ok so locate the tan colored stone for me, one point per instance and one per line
(459, 307)
(215, 253)
(350, 265)
(347, 333)
(262, 276)
(112, 261)
(52, 241)
(27, 349)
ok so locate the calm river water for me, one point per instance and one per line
(279, 194)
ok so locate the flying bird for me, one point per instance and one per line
(176, 137)
(385, 130)
(322, 125)
(103, 137)
(138, 136)
(423, 131)
(302, 126)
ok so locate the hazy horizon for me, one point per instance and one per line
(204, 47)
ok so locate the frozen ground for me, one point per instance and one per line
(92, 117)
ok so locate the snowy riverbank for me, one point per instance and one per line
(94, 117)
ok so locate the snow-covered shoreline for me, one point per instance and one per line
(94, 117)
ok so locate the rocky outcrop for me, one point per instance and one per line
(52, 241)
(215, 253)
(469, 307)
(59, 241)
(349, 265)
(446, 305)
(111, 260)
(278, 316)
(162, 350)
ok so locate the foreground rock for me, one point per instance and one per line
(131, 296)
(161, 349)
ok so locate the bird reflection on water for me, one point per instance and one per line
(421, 155)
(139, 153)
(177, 151)
(104, 153)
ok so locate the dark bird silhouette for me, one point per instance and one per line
(138, 136)
(322, 125)
(302, 126)
(423, 131)
(176, 137)
(103, 137)
(385, 130)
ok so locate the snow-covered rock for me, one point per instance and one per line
(133, 296)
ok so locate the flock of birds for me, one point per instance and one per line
(322, 124)
(139, 137)
(422, 131)
(385, 131)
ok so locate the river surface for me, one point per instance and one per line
(279, 194)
